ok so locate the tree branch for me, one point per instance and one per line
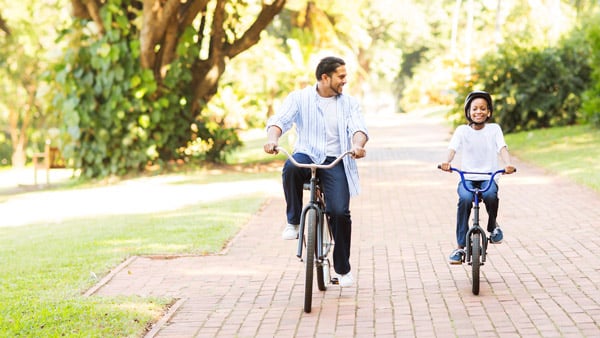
(4, 26)
(252, 35)
(89, 9)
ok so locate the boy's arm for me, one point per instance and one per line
(446, 165)
(506, 158)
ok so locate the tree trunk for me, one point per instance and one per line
(454, 34)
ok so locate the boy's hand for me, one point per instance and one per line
(509, 169)
(445, 166)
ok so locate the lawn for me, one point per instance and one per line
(47, 266)
(572, 151)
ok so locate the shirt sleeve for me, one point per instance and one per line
(356, 121)
(499, 136)
(286, 114)
(456, 140)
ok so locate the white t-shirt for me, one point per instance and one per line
(479, 149)
(328, 107)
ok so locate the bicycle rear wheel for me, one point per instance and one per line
(323, 267)
(476, 260)
(311, 226)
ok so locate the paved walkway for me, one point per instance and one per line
(543, 281)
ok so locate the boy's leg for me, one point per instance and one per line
(465, 203)
(490, 198)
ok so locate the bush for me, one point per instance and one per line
(534, 87)
(591, 97)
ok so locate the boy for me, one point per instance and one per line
(480, 143)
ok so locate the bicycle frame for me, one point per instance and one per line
(313, 202)
(476, 228)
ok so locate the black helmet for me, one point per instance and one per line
(478, 94)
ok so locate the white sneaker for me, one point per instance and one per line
(290, 232)
(346, 280)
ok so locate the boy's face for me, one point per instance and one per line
(479, 110)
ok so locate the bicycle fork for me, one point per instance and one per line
(318, 230)
(476, 230)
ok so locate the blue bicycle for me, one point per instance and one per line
(477, 241)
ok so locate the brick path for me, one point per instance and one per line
(542, 281)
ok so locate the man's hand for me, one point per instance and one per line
(271, 148)
(445, 166)
(509, 169)
(358, 152)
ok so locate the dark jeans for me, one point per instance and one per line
(465, 203)
(337, 200)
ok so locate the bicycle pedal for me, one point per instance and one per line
(334, 281)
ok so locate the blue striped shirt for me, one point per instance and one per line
(300, 109)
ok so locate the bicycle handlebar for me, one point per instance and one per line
(312, 165)
(487, 186)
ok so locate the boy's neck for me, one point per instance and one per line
(477, 126)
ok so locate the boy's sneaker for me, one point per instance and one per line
(496, 236)
(456, 257)
(290, 232)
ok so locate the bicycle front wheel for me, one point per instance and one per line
(323, 266)
(311, 235)
(476, 260)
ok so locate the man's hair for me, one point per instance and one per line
(328, 65)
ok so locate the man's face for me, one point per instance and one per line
(479, 110)
(337, 80)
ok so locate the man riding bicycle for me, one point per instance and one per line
(327, 123)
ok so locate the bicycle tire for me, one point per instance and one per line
(476, 260)
(311, 225)
(323, 273)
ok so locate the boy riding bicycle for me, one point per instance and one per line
(479, 143)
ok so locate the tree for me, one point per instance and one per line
(138, 75)
(26, 45)
(163, 23)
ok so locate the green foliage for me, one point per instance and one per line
(533, 87)
(117, 117)
(591, 101)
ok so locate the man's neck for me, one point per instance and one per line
(323, 92)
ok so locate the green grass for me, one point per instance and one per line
(573, 152)
(46, 268)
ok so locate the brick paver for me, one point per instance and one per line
(542, 281)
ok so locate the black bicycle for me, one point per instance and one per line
(476, 250)
(315, 238)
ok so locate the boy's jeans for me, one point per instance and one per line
(465, 203)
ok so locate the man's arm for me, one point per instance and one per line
(359, 139)
(273, 135)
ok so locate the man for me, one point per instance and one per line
(328, 123)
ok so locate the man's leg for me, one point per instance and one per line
(293, 179)
(337, 200)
